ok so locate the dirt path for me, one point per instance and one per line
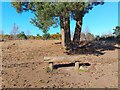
(23, 66)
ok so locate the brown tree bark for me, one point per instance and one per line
(62, 31)
(77, 33)
(65, 31)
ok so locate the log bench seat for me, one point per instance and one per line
(62, 59)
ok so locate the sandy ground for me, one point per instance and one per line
(23, 67)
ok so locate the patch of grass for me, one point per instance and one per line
(80, 70)
(41, 81)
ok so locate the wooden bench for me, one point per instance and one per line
(61, 59)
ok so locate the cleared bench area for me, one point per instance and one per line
(62, 59)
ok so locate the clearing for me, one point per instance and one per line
(23, 66)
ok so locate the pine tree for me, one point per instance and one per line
(55, 13)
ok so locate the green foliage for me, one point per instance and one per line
(31, 37)
(46, 36)
(38, 37)
(44, 16)
(8, 37)
(22, 35)
(48, 13)
(117, 31)
(104, 38)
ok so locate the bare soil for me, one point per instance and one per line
(23, 67)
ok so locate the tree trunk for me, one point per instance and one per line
(63, 37)
(65, 31)
(77, 33)
(62, 31)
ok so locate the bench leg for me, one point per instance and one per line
(51, 66)
(76, 65)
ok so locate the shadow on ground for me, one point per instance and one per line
(69, 65)
(93, 47)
